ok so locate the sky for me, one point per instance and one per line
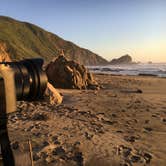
(110, 28)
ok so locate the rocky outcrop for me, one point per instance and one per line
(63, 73)
(126, 59)
(4, 55)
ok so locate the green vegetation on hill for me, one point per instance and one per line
(25, 40)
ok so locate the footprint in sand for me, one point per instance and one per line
(149, 129)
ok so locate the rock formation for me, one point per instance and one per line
(52, 95)
(126, 59)
(4, 55)
(63, 73)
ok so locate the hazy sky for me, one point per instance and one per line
(110, 28)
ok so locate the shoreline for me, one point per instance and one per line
(128, 75)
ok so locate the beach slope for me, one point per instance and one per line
(123, 123)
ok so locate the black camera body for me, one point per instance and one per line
(23, 80)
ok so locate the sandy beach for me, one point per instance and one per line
(123, 123)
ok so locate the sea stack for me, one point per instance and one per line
(126, 59)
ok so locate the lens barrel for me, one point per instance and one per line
(30, 79)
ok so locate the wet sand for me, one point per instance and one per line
(123, 123)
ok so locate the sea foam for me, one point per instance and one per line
(154, 69)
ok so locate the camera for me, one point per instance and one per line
(22, 80)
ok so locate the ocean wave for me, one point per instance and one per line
(137, 69)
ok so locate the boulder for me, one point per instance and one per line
(52, 95)
(64, 73)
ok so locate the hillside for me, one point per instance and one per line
(25, 40)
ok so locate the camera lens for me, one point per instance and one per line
(30, 79)
(36, 82)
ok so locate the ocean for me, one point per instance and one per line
(153, 69)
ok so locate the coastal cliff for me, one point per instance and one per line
(25, 40)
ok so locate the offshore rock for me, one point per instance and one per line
(126, 59)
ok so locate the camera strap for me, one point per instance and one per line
(7, 154)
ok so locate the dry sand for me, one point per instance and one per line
(117, 125)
